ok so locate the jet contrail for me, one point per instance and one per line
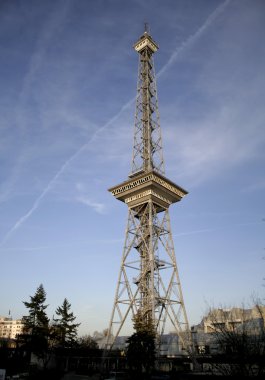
(193, 38)
(216, 229)
(172, 58)
(58, 174)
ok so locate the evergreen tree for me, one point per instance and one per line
(36, 325)
(37, 319)
(141, 347)
(66, 330)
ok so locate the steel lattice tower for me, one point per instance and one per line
(148, 281)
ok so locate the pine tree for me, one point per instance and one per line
(36, 324)
(66, 330)
(140, 351)
(37, 319)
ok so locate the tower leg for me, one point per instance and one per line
(148, 281)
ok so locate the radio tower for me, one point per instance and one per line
(148, 281)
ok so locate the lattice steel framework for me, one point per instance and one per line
(148, 280)
(147, 148)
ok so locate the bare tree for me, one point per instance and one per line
(86, 341)
(238, 335)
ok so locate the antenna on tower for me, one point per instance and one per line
(146, 27)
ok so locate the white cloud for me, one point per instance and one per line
(80, 186)
(206, 146)
(96, 206)
(210, 146)
(50, 27)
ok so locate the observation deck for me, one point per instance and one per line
(145, 41)
(149, 186)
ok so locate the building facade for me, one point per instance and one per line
(10, 328)
(219, 324)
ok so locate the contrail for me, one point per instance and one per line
(57, 16)
(216, 229)
(194, 37)
(59, 173)
(173, 57)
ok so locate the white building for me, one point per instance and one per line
(10, 328)
(220, 322)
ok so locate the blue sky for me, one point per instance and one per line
(68, 80)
